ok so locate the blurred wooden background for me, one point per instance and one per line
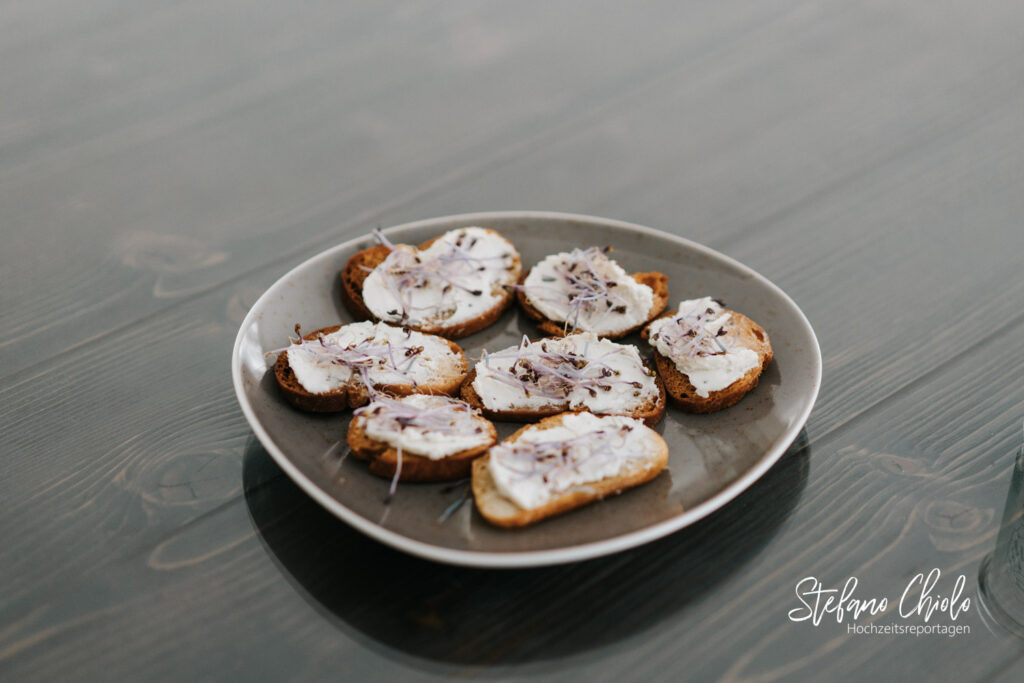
(161, 164)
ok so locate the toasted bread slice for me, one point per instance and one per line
(646, 402)
(361, 264)
(354, 274)
(502, 511)
(684, 395)
(354, 393)
(658, 282)
(383, 458)
(597, 286)
(651, 412)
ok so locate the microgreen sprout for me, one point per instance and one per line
(394, 479)
(330, 456)
(467, 493)
(447, 415)
(546, 460)
(406, 269)
(541, 369)
(580, 285)
(374, 362)
(696, 333)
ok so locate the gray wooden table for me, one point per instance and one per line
(161, 164)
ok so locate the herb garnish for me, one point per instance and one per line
(580, 286)
(406, 269)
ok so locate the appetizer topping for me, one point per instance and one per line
(431, 426)
(698, 340)
(460, 276)
(587, 291)
(579, 371)
(371, 354)
(583, 448)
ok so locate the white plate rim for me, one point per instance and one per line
(529, 558)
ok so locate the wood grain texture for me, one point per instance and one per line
(287, 133)
(662, 606)
(161, 166)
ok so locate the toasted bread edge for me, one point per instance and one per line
(683, 395)
(346, 397)
(502, 512)
(658, 282)
(383, 458)
(353, 277)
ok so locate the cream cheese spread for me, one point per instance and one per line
(461, 276)
(432, 426)
(588, 291)
(374, 354)
(696, 338)
(543, 463)
(579, 371)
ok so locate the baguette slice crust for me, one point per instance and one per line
(658, 282)
(354, 274)
(358, 268)
(683, 394)
(503, 512)
(383, 458)
(354, 394)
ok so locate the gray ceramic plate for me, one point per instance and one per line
(713, 457)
